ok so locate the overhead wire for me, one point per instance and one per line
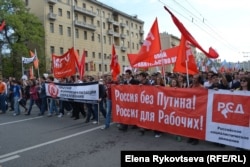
(200, 22)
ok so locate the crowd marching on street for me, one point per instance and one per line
(19, 96)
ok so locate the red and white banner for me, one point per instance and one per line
(197, 113)
(165, 57)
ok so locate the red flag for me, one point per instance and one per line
(36, 61)
(114, 65)
(165, 57)
(185, 55)
(2, 25)
(31, 73)
(81, 65)
(64, 66)
(150, 46)
(211, 53)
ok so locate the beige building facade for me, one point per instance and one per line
(91, 26)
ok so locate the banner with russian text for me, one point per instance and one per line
(218, 116)
(80, 92)
(173, 110)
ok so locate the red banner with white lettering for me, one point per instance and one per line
(217, 116)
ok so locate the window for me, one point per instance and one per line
(61, 50)
(103, 14)
(52, 49)
(75, 2)
(77, 33)
(128, 33)
(104, 26)
(60, 29)
(137, 46)
(104, 39)
(69, 31)
(93, 37)
(110, 39)
(83, 5)
(123, 58)
(136, 35)
(86, 53)
(92, 21)
(98, 23)
(100, 55)
(105, 56)
(106, 68)
(128, 45)
(99, 38)
(27, 2)
(84, 19)
(50, 8)
(133, 45)
(68, 2)
(86, 66)
(93, 54)
(132, 25)
(100, 67)
(76, 16)
(85, 35)
(98, 12)
(92, 9)
(59, 12)
(51, 26)
(68, 14)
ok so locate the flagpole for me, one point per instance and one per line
(187, 72)
(163, 68)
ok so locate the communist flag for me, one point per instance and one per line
(150, 46)
(64, 65)
(81, 65)
(36, 61)
(2, 25)
(185, 62)
(211, 53)
(114, 65)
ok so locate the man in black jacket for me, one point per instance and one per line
(129, 79)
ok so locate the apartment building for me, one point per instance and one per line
(91, 26)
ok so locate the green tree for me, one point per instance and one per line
(23, 32)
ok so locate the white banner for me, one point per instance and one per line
(80, 92)
(28, 60)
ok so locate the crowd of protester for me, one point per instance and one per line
(20, 93)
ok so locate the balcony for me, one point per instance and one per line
(141, 41)
(123, 48)
(85, 25)
(110, 32)
(52, 1)
(141, 31)
(85, 11)
(116, 23)
(123, 25)
(52, 16)
(123, 36)
(110, 20)
(116, 34)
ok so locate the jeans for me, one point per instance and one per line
(16, 105)
(52, 106)
(43, 105)
(101, 108)
(90, 111)
(2, 102)
(108, 114)
(32, 101)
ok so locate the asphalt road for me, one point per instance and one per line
(41, 141)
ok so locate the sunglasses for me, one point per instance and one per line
(243, 81)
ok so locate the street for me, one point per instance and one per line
(41, 141)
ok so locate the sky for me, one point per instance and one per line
(221, 24)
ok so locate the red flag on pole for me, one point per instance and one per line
(211, 53)
(82, 65)
(150, 46)
(114, 65)
(36, 61)
(185, 62)
(2, 25)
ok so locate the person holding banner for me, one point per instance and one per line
(196, 84)
(129, 79)
(102, 96)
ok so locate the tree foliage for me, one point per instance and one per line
(23, 32)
